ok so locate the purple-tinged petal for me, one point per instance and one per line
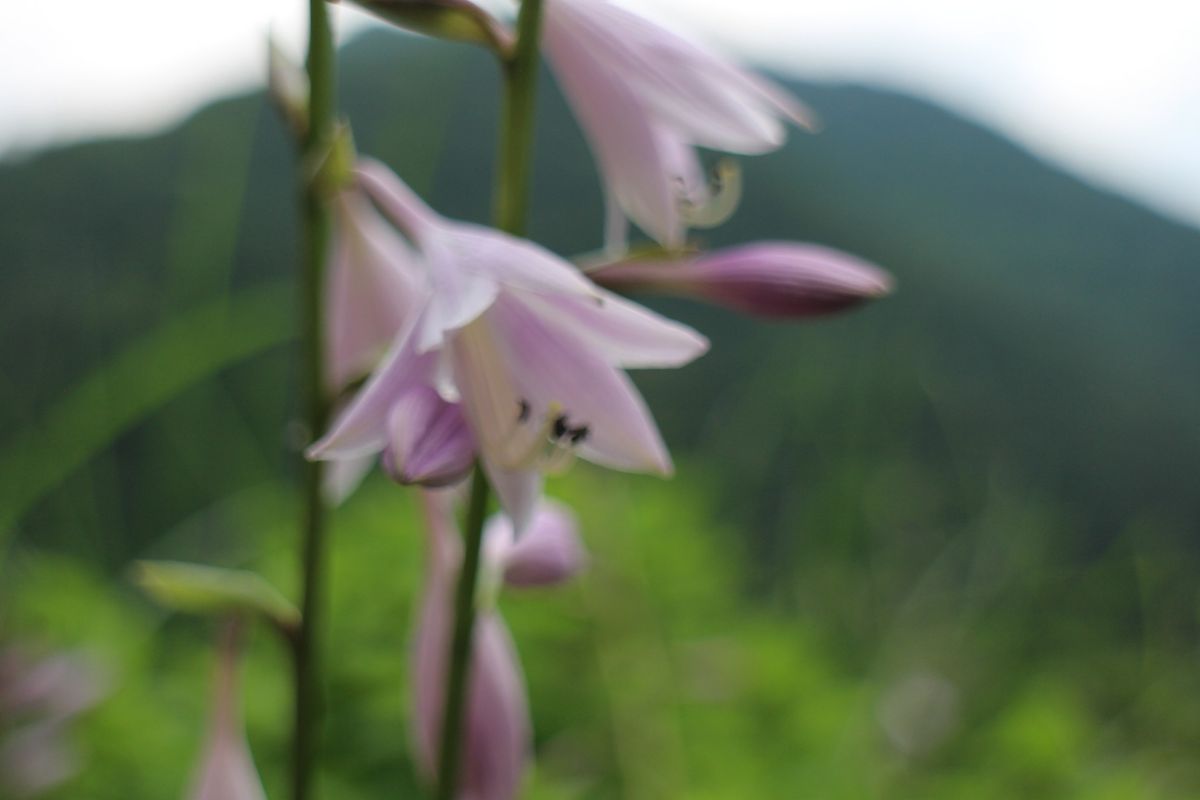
(549, 552)
(429, 440)
(636, 157)
(227, 770)
(493, 408)
(516, 263)
(459, 293)
(776, 279)
(622, 333)
(393, 196)
(565, 388)
(374, 289)
(362, 429)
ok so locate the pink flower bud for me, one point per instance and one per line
(429, 440)
(771, 279)
(496, 725)
(547, 553)
(227, 769)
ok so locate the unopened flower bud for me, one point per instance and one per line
(548, 552)
(227, 770)
(429, 441)
(771, 279)
(455, 20)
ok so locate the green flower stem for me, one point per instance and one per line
(315, 231)
(450, 752)
(512, 193)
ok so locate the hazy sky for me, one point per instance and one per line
(1112, 90)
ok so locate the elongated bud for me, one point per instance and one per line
(227, 770)
(770, 279)
(496, 727)
(456, 20)
(429, 441)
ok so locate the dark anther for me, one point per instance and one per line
(561, 428)
(523, 414)
(577, 435)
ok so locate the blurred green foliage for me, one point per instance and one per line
(942, 548)
(651, 677)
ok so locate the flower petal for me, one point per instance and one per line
(634, 154)
(429, 442)
(622, 333)
(362, 429)
(374, 289)
(559, 376)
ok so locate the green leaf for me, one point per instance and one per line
(134, 384)
(199, 589)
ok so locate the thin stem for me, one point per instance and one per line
(450, 752)
(512, 193)
(314, 245)
(516, 122)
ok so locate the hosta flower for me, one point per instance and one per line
(646, 98)
(496, 726)
(773, 279)
(226, 769)
(531, 351)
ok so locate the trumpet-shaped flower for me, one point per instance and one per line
(645, 98)
(531, 350)
(496, 723)
(227, 770)
(771, 279)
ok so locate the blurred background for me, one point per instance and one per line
(942, 547)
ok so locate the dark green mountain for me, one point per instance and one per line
(1028, 398)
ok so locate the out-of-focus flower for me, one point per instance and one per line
(39, 699)
(773, 279)
(373, 291)
(374, 288)
(496, 726)
(532, 350)
(645, 98)
(226, 769)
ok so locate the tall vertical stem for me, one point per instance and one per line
(511, 199)
(315, 230)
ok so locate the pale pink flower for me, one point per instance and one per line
(496, 725)
(226, 770)
(646, 98)
(531, 349)
(772, 279)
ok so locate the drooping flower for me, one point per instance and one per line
(646, 98)
(226, 770)
(530, 350)
(496, 725)
(772, 279)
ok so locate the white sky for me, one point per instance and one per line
(1112, 90)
